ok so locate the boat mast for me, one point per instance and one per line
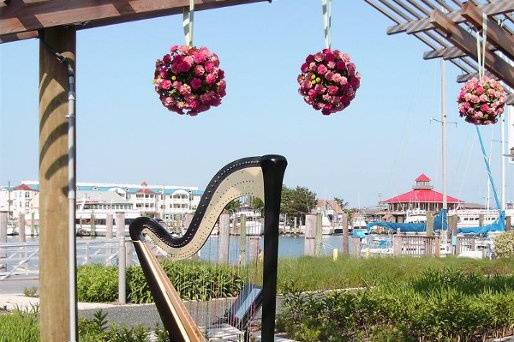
(444, 134)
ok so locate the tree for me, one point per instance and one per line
(257, 204)
(297, 202)
(233, 206)
(341, 203)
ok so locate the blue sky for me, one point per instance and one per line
(375, 147)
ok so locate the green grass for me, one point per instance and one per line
(437, 305)
(199, 280)
(23, 326)
(311, 273)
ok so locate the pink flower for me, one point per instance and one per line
(210, 78)
(209, 67)
(185, 90)
(199, 70)
(340, 65)
(305, 67)
(332, 90)
(165, 84)
(196, 83)
(322, 69)
(331, 65)
(319, 57)
(167, 58)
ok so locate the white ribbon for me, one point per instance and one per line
(188, 21)
(326, 10)
(481, 47)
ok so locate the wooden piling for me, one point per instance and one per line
(508, 223)
(21, 227)
(310, 227)
(242, 240)
(223, 238)
(318, 235)
(430, 224)
(32, 224)
(92, 230)
(481, 220)
(108, 226)
(53, 183)
(4, 215)
(346, 235)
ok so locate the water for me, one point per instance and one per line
(99, 250)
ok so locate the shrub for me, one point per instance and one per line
(97, 283)
(193, 279)
(19, 326)
(436, 306)
(504, 245)
(23, 326)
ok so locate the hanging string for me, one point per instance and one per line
(188, 22)
(481, 46)
(326, 10)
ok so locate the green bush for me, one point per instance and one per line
(20, 326)
(194, 280)
(446, 310)
(23, 326)
(504, 245)
(97, 283)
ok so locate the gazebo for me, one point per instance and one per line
(421, 197)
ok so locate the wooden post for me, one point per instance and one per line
(346, 235)
(242, 240)
(223, 238)
(481, 220)
(122, 257)
(310, 226)
(92, 230)
(437, 246)
(397, 244)
(508, 223)
(319, 234)
(356, 246)
(53, 183)
(4, 215)
(21, 227)
(32, 224)
(295, 230)
(430, 224)
(254, 247)
(108, 226)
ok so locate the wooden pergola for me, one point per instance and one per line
(55, 23)
(448, 28)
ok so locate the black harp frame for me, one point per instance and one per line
(273, 168)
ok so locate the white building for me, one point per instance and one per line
(168, 202)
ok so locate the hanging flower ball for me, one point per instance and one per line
(189, 80)
(481, 102)
(328, 81)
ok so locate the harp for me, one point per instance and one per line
(259, 177)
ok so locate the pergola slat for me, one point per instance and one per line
(449, 53)
(466, 42)
(421, 25)
(19, 17)
(498, 36)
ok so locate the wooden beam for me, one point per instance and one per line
(495, 34)
(53, 183)
(467, 43)
(18, 36)
(448, 53)
(421, 25)
(19, 17)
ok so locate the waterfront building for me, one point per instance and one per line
(95, 200)
(422, 197)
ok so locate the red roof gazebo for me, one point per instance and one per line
(422, 196)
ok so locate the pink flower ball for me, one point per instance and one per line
(188, 80)
(328, 81)
(481, 102)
